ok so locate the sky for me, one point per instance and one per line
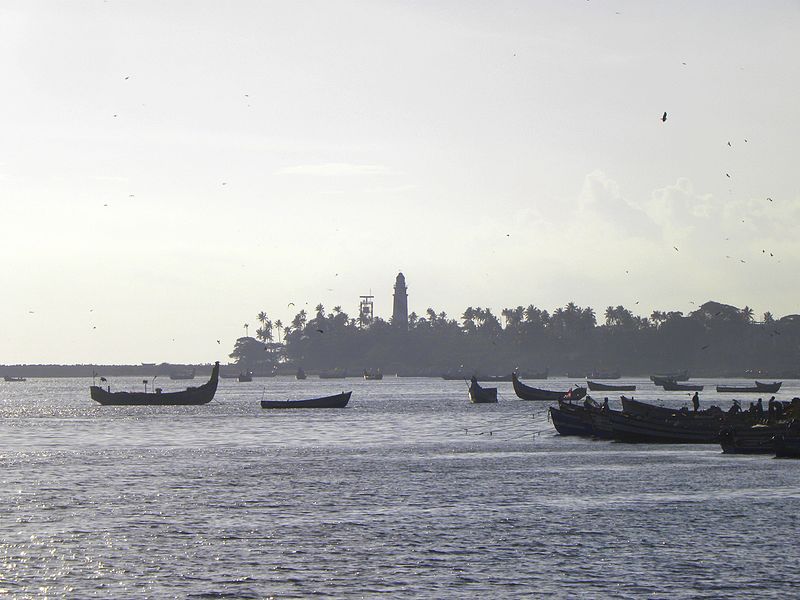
(170, 169)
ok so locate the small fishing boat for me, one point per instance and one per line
(670, 385)
(189, 396)
(336, 401)
(300, 374)
(757, 439)
(758, 388)
(246, 376)
(481, 395)
(674, 430)
(373, 376)
(675, 376)
(595, 386)
(604, 375)
(570, 422)
(13, 379)
(787, 444)
(527, 392)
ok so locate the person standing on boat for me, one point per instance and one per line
(771, 409)
(760, 408)
(696, 401)
(605, 404)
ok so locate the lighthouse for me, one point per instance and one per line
(400, 308)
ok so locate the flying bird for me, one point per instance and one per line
(770, 199)
(103, 379)
(664, 118)
(704, 347)
(728, 175)
(320, 331)
(218, 341)
(729, 143)
(290, 304)
(676, 248)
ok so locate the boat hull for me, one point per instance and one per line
(526, 392)
(188, 397)
(595, 386)
(336, 401)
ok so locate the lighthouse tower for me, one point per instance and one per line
(400, 309)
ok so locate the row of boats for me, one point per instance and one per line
(736, 431)
(203, 394)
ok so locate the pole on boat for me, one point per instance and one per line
(144, 381)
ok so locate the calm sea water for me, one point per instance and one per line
(410, 491)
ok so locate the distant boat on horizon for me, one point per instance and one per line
(14, 379)
(182, 374)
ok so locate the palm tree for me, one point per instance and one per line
(768, 318)
(747, 314)
(279, 326)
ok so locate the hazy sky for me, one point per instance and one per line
(170, 169)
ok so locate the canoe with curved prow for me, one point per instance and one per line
(190, 396)
(674, 386)
(481, 395)
(336, 401)
(526, 392)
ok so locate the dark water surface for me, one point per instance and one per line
(405, 493)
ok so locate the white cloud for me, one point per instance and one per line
(334, 170)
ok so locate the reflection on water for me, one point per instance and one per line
(410, 491)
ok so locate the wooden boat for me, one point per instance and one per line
(594, 386)
(337, 401)
(189, 396)
(13, 379)
(758, 388)
(757, 439)
(462, 375)
(184, 374)
(481, 395)
(300, 374)
(787, 444)
(376, 376)
(335, 374)
(569, 422)
(604, 375)
(675, 430)
(247, 376)
(674, 386)
(527, 392)
(675, 376)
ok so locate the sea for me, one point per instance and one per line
(409, 492)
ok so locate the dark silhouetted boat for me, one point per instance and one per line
(247, 376)
(300, 374)
(604, 375)
(673, 430)
(674, 376)
(527, 392)
(594, 386)
(337, 401)
(569, 420)
(481, 395)
(754, 439)
(192, 395)
(13, 379)
(787, 444)
(670, 385)
(758, 388)
(373, 376)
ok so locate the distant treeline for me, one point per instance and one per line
(715, 340)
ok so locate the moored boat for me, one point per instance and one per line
(300, 374)
(568, 422)
(670, 385)
(190, 396)
(675, 376)
(787, 444)
(595, 386)
(12, 378)
(630, 428)
(758, 388)
(526, 392)
(182, 374)
(336, 401)
(757, 439)
(373, 375)
(246, 376)
(481, 395)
